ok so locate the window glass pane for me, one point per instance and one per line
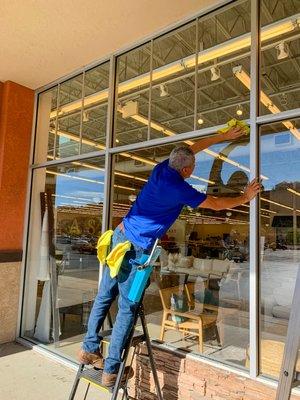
(46, 126)
(224, 44)
(132, 106)
(69, 117)
(173, 86)
(280, 44)
(96, 82)
(205, 257)
(280, 237)
(62, 253)
(222, 92)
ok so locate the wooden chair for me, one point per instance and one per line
(194, 323)
(271, 357)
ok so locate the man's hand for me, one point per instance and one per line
(233, 133)
(251, 190)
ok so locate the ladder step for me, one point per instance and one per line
(94, 377)
(138, 337)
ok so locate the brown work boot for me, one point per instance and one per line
(109, 380)
(94, 359)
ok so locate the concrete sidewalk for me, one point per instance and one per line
(28, 375)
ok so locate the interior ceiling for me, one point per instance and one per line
(41, 41)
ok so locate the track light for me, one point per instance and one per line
(282, 50)
(85, 116)
(239, 110)
(215, 73)
(200, 120)
(163, 90)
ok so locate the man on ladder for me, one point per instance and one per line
(155, 210)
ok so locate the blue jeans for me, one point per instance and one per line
(109, 289)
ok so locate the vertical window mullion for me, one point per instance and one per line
(254, 273)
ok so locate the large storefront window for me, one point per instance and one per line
(280, 238)
(63, 270)
(193, 77)
(205, 257)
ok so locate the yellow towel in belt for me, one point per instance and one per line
(235, 122)
(115, 257)
(103, 245)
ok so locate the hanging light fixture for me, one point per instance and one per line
(163, 90)
(215, 73)
(85, 117)
(282, 50)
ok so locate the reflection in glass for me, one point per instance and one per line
(69, 117)
(280, 73)
(280, 238)
(182, 99)
(94, 117)
(132, 106)
(204, 264)
(62, 254)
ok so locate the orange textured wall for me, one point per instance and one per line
(16, 112)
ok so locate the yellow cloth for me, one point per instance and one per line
(103, 245)
(115, 257)
(235, 122)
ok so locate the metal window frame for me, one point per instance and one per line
(254, 234)
(255, 121)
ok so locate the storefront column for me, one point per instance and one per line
(16, 113)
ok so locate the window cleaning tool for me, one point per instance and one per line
(93, 376)
(289, 377)
(143, 273)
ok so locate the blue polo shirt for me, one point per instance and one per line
(158, 205)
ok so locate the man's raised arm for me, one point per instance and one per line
(221, 203)
(231, 134)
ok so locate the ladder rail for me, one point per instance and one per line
(139, 313)
(287, 377)
(125, 356)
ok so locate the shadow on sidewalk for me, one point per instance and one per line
(10, 348)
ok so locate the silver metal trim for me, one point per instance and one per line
(168, 139)
(196, 76)
(150, 92)
(56, 121)
(109, 142)
(254, 234)
(271, 118)
(77, 157)
(81, 112)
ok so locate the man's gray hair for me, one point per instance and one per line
(180, 157)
